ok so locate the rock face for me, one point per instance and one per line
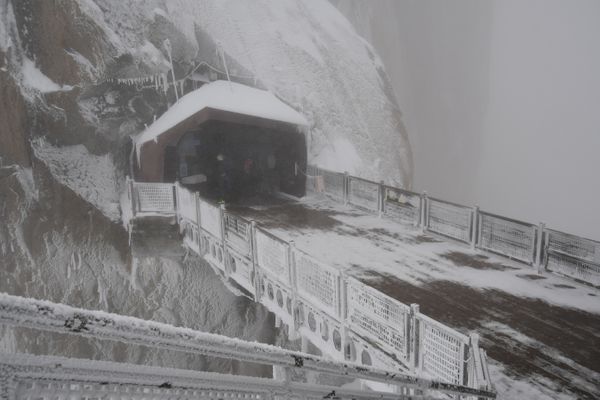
(78, 77)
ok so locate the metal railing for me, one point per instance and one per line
(572, 256)
(152, 197)
(341, 316)
(402, 205)
(363, 193)
(547, 249)
(333, 184)
(449, 219)
(508, 237)
(24, 376)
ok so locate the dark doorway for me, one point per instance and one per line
(235, 162)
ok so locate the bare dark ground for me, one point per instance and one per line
(290, 214)
(573, 334)
(478, 261)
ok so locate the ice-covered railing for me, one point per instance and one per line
(342, 317)
(536, 245)
(24, 376)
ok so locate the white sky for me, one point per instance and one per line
(501, 100)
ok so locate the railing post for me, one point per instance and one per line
(175, 201)
(292, 267)
(539, 247)
(253, 256)
(223, 235)
(343, 298)
(346, 186)
(424, 213)
(474, 219)
(479, 380)
(413, 341)
(381, 198)
(197, 204)
(198, 224)
(131, 191)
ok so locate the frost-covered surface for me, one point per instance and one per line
(35, 79)
(359, 242)
(537, 329)
(305, 52)
(57, 247)
(91, 177)
(226, 96)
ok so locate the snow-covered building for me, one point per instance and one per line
(226, 134)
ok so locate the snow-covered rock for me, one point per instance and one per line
(305, 52)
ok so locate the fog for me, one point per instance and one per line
(501, 100)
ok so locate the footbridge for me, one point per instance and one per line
(315, 299)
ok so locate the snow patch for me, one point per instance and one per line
(227, 96)
(35, 79)
(340, 155)
(91, 177)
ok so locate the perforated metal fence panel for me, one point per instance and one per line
(574, 246)
(318, 282)
(449, 219)
(402, 206)
(511, 238)
(237, 233)
(576, 268)
(376, 315)
(272, 254)
(363, 193)
(154, 197)
(210, 219)
(333, 184)
(312, 175)
(442, 351)
(186, 204)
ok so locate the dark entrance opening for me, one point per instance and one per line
(236, 162)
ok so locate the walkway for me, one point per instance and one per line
(521, 316)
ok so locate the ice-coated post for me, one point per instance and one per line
(131, 192)
(175, 199)
(253, 258)
(346, 186)
(539, 260)
(343, 284)
(413, 337)
(381, 199)
(478, 376)
(197, 204)
(222, 215)
(474, 219)
(167, 46)
(292, 265)
(303, 344)
(424, 213)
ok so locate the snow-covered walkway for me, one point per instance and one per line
(541, 330)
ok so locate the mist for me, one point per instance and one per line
(501, 100)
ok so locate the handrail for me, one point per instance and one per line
(540, 252)
(59, 318)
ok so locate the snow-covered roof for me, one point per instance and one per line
(226, 96)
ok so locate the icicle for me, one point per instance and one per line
(165, 83)
(155, 82)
